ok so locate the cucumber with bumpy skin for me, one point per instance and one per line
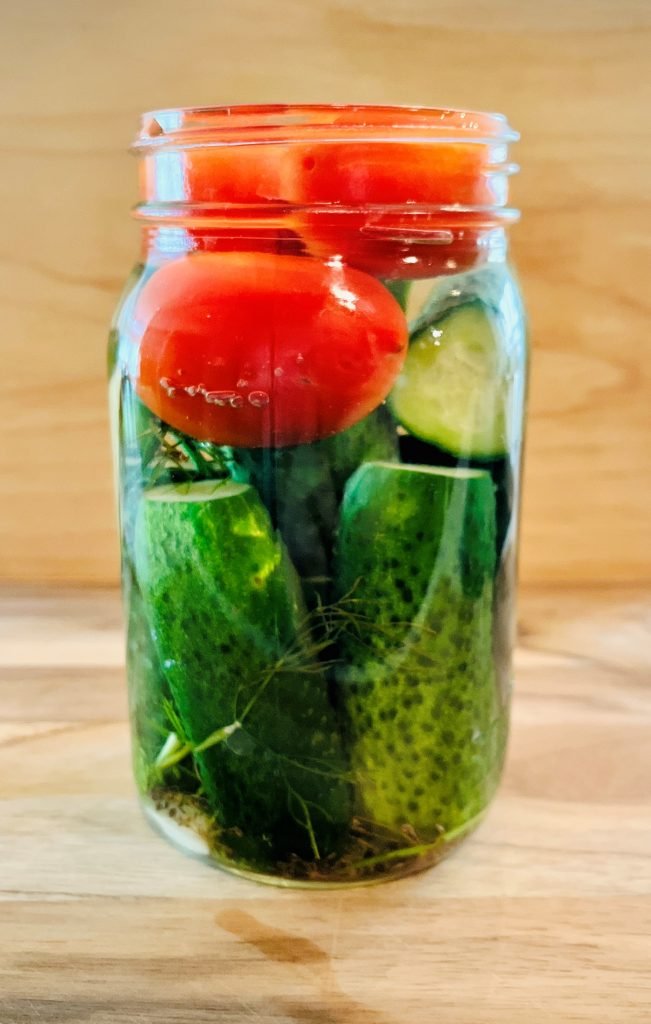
(417, 688)
(412, 450)
(225, 608)
(454, 387)
(149, 693)
(150, 453)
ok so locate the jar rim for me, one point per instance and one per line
(259, 124)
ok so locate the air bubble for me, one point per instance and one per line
(278, 372)
(236, 402)
(258, 399)
(167, 386)
(219, 397)
(242, 383)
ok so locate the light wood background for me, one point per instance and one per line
(572, 76)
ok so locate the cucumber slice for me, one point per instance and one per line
(454, 387)
(225, 609)
(417, 688)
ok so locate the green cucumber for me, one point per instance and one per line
(454, 387)
(412, 450)
(416, 552)
(400, 289)
(422, 453)
(302, 488)
(372, 439)
(504, 621)
(224, 605)
(151, 452)
(149, 694)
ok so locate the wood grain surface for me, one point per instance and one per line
(573, 77)
(544, 916)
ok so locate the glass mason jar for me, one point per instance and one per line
(317, 377)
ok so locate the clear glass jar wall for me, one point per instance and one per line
(317, 378)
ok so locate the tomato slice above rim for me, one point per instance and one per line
(332, 197)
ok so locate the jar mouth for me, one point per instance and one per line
(251, 124)
(391, 172)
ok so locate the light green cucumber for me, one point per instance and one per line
(416, 552)
(224, 604)
(455, 385)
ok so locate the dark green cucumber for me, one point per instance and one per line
(302, 488)
(454, 389)
(149, 694)
(399, 289)
(225, 608)
(416, 551)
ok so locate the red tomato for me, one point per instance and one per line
(216, 174)
(246, 239)
(346, 156)
(390, 244)
(246, 176)
(258, 349)
(358, 173)
(370, 171)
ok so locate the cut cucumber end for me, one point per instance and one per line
(457, 472)
(454, 387)
(201, 490)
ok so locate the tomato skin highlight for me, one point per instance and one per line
(260, 350)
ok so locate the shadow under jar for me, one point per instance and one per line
(317, 379)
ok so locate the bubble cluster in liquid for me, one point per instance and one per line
(233, 399)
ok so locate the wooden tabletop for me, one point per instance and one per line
(543, 916)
